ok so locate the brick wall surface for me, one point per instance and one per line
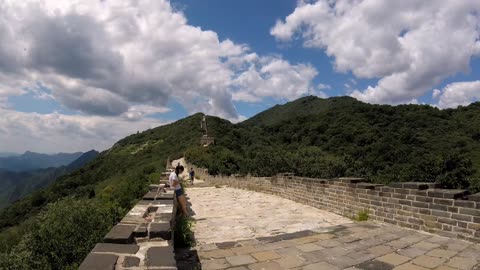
(420, 206)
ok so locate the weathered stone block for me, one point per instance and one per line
(447, 193)
(120, 234)
(141, 231)
(131, 261)
(438, 213)
(420, 204)
(464, 203)
(438, 207)
(447, 221)
(474, 197)
(161, 230)
(462, 217)
(443, 201)
(95, 261)
(164, 196)
(150, 196)
(116, 248)
(161, 257)
(468, 211)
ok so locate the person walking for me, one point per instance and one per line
(174, 181)
(192, 175)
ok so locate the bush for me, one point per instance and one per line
(62, 236)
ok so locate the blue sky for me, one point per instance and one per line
(83, 74)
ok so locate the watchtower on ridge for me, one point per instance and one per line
(205, 140)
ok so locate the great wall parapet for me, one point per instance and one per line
(143, 239)
(416, 205)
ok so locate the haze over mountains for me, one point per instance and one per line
(31, 160)
(33, 171)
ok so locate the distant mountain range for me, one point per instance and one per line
(32, 161)
(15, 185)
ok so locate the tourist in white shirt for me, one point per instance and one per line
(174, 182)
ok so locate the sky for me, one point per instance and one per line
(82, 74)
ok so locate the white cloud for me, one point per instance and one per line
(410, 46)
(56, 132)
(458, 93)
(322, 86)
(273, 77)
(105, 57)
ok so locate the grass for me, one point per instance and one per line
(184, 232)
(362, 215)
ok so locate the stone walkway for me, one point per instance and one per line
(238, 229)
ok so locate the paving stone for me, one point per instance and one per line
(462, 263)
(215, 264)
(409, 266)
(131, 261)
(160, 257)
(361, 256)
(328, 243)
(444, 267)
(398, 244)
(218, 253)
(341, 261)
(240, 259)
(457, 245)
(309, 247)
(380, 250)
(442, 253)
(308, 239)
(313, 257)
(115, 248)
(265, 266)
(229, 244)
(244, 250)
(394, 259)
(95, 261)
(160, 230)
(469, 253)
(320, 266)
(120, 234)
(266, 256)
(289, 251)
(426, 245)
(207, 247)
(412, 252)
(428, 261)
(238, 268)
(374, 265)
(291, 261)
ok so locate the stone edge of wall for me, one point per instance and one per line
(122, 247)
(421, 206)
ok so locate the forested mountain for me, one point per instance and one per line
(344, 137)
(310, 136)
(31, 161)
(16, 185)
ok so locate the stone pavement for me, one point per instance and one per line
(246, 232)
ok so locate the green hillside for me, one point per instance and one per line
(344, 137)
(59, 225)
(312, 137)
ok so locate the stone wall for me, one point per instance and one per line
(143, 239)
(420, 206)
